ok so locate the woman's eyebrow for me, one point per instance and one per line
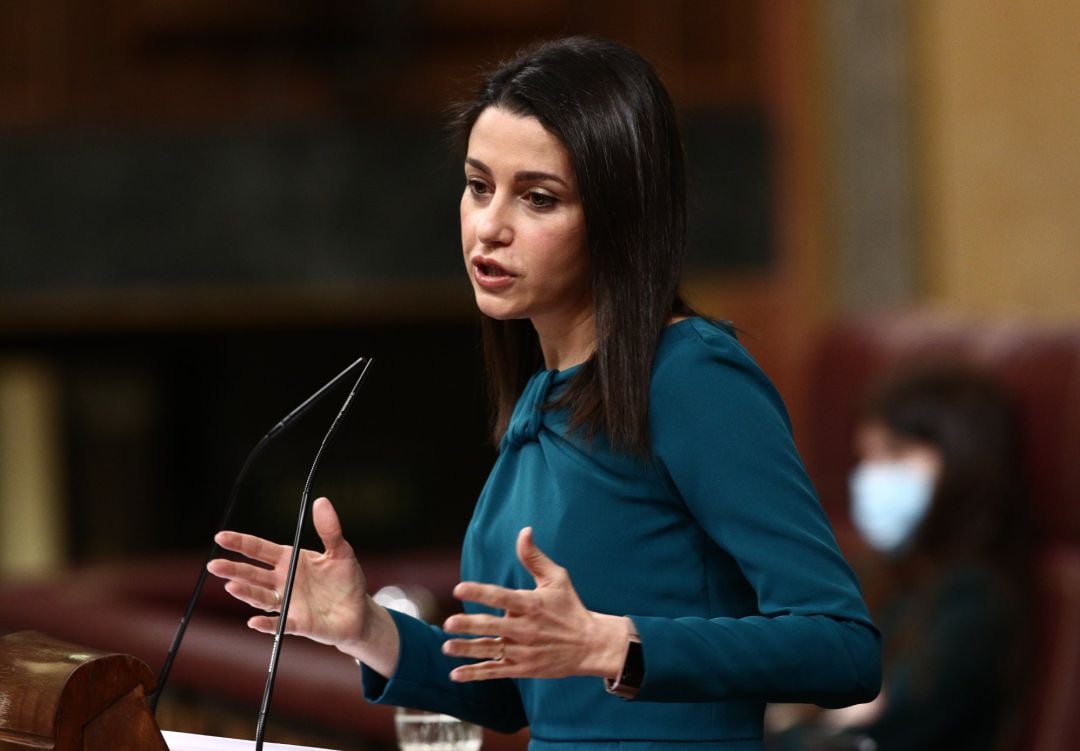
(521, 176)
(478, 164)
(533, 175)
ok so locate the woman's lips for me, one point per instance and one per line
(491, 275)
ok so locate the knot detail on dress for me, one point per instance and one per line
(528, 416)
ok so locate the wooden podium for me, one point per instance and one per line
(56, 696)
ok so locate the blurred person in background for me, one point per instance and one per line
(938, 498)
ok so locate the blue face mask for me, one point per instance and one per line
(888, 501)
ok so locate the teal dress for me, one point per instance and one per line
(716, 547)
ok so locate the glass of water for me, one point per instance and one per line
(418, 730)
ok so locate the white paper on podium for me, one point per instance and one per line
(191, 742)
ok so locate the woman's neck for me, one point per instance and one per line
(567, 343)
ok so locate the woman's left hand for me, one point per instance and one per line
(543, 633)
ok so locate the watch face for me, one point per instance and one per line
(634, 667)
(633, 672)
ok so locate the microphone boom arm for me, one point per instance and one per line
(294, 560)
(230, 506)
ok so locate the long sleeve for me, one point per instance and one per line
(721, 433)
(421, 680)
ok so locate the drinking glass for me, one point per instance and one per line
(418, 730)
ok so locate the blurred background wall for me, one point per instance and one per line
(999, 156)
(207, 209)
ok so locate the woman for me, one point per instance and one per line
(640, 448)
(937, 497)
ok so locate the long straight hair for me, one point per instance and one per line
(608, 108)
(978, 512)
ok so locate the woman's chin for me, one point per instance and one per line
(497, 309)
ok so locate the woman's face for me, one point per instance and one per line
(892, 487)
(522, 223)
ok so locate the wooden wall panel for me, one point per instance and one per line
(1000, 173)
(147, 66)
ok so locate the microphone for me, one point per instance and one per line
(282, 424)
(295, 559)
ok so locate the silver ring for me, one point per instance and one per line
(502, 650)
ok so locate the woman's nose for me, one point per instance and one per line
(494, 227)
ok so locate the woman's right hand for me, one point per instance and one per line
(330, 603)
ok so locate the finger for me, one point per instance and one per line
(543, 569)
(517, 630)
(257, 597)
(494, 596)
(328, 527)
(481, 649)
(485, 671)
(264, 624)
(250, 546)
(241, 572)
(478, 625)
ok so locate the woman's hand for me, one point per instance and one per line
(544, 633)
(330, 603)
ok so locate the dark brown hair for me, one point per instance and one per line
(978, 511)
(608, 108)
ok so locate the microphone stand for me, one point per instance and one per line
(163, 674)
(286, 597)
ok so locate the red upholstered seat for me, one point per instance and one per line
(1055, 722)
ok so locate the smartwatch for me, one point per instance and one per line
(632, 675)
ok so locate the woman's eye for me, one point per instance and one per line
(539, 200)
(478, 187)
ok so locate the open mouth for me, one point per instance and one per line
(489, 269)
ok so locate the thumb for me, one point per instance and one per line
(542, 568)
(328, 526)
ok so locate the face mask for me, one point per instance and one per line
(888, 500)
